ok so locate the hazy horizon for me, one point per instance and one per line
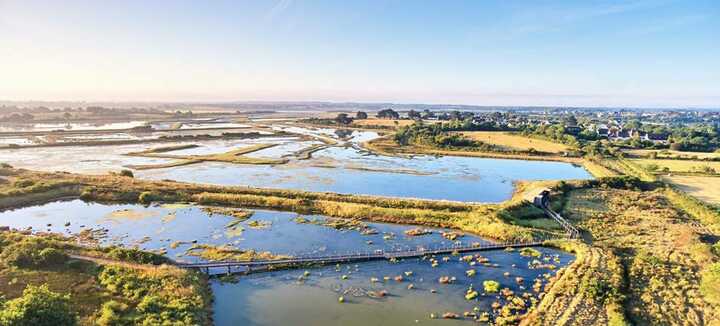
(645, 54)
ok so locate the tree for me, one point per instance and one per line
(38, 306)
(571, 120)
(412, 114)
(361, 115)
(343, 118)
(127, 173)
(388, 114)
(67, 115)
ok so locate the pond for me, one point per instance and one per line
(374, 293)
(344, 167)
(351, 171)
(71, 126)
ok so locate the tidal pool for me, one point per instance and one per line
(351, 171)
(70, 126)
(343, 168)
(293, 297)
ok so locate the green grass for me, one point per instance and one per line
(91, 286)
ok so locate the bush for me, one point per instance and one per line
(110, 313)
(23, 183)
(164, 299)
(38, 306)
(127, 173)
(710, 284)
(136, 256)
(599, 289)
(32, 252)
(146, 197)
(51, 257)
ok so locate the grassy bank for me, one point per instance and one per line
(234, 156)
(664, 251)
(497, 221)
(387, 146)
(98, 292)
(587, 292)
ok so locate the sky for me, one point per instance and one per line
(649, 53)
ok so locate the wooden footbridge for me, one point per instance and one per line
(246, 267)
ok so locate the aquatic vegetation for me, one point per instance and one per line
(417, 232)
(452, 235)
(337, 223)
(233, 156)
(240, 215)
(530, 252)
(255, 224)
(227, 253)
(471, 293)
(450, 315)
(491, 286)
(446, 279)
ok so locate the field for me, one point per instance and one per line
(683, 166)
(516, 142)
(382, 122)
(668, 265)
(704, 188)
(666, 153)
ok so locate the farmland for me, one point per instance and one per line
(516, 142)
(705, 188)
(680, 166)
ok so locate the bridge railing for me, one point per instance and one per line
(380, 254)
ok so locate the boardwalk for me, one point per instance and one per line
(246, 267)
(230, 267)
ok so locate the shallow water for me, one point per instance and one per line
(349, 171)
(345, 168)
(279, 298)
(70, 126)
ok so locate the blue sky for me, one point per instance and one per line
(589, 53)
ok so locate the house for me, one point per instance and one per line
(573, 130)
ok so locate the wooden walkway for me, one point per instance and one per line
(246, 267)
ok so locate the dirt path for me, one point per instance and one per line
(106, 261)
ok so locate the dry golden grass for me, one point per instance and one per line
(687, 166)
(662, 250)
(233, 156)
(666, 153)
(704, 188)
(516, 142)
(389, 147)
(382, 122)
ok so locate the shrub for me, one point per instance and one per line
(38, 306)
(136, 256)
(23, 183)
(32, 252)
(146, 197)
(127, 173)
(599, 289)
(710, 283)
(51, 257)
(110, 313)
